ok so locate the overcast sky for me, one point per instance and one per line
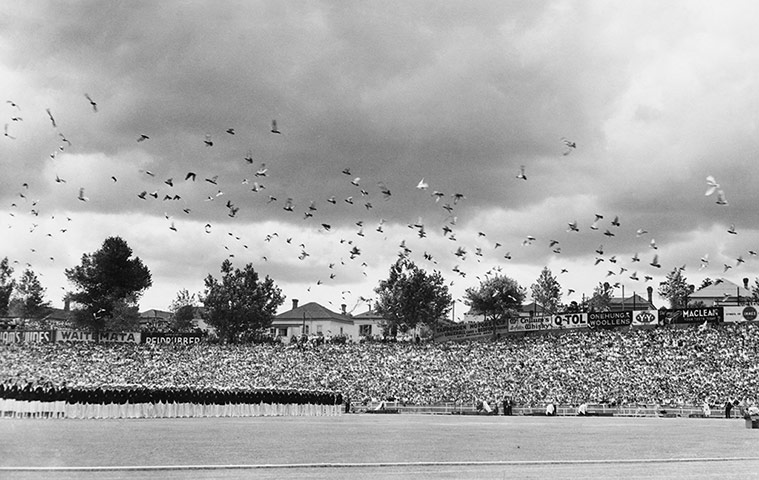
(654, 96)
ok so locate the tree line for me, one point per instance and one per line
(23, 297)
(241, 305)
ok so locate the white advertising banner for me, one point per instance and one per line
(569, 321)
(645, 318)
(739, 314)
(530, 324)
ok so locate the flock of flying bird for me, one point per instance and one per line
(358, 195)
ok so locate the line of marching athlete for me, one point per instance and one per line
(129, 401)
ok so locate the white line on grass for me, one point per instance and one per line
(376, 465)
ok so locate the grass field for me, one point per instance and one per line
(379, 446)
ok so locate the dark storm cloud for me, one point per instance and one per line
(656, 98)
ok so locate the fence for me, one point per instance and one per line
(596, 410)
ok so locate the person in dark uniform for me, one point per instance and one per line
(72, 397)
(2, 400)
(26, 396)
(99, 401)
(39, 398)
(61, 398)
(728, 408)
(122, 402)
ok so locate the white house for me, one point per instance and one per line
(312, 319)
(722, 292)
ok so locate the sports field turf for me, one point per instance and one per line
(380, 446)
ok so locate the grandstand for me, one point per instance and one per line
(673, 368)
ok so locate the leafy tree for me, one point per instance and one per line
(31, 295)
(240, 306)
(496, 298)
(707, 282)
(184, 297)
(676, 289)
(410, 296)
(125, 316)
(7, 284)
(108, 280)
(755, 290)
(182, 321)
(601, 299)
(183, 308)
(546, 291)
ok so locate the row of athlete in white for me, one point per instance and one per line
(13, 408)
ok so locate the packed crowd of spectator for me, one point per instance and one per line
(623, 367)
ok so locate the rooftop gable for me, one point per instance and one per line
(634, 298)
(153, 313)
(720, 289)
(369, 315)
(312, 311)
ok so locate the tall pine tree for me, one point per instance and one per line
(109, 284)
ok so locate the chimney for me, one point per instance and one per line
(650, 291)
(295, 303)
(66, 304)
(343, 307)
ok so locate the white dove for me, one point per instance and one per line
(713, 185)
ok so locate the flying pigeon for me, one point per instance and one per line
(92, 102)
(569, 144)
(594, 225)
(712, 185)
(52, 119)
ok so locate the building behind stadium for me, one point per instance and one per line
(722, 302)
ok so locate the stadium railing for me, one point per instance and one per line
(594, 410)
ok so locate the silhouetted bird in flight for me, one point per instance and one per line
(92, 102)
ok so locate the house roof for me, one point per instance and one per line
(153, 313)
(57, 314)
(369, 315)
(720, 289)
(531, 307)
(312, 311)
(633, 299)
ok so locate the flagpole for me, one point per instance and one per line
(623, 298)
